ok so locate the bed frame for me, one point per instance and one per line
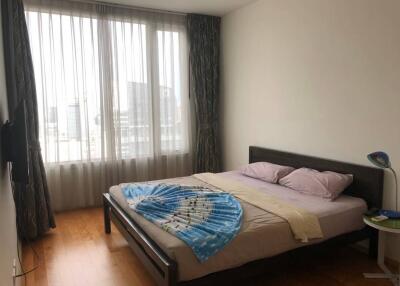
(367, 184)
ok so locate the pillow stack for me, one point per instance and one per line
(327, 185)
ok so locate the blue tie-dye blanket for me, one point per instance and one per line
(205, 220)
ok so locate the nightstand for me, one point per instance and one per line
(384, 227)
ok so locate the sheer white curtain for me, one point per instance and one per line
(112, 89)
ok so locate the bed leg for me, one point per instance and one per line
(107, 221)
(373, 243)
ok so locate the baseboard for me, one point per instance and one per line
(393, 263)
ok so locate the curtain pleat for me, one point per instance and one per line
(34, 212)
(204, 46)
(112, 94)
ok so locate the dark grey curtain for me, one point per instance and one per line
(204, 46)
(34, 213)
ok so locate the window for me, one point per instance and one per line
(109, 87)
(73, 123)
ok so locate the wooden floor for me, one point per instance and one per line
(78, 252)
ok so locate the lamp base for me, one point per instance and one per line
(390, 214)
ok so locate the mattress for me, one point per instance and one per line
(262, 234)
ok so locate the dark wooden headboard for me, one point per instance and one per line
(367, 184)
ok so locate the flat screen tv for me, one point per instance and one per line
(15, 144)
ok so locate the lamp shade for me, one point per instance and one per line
(379, 159)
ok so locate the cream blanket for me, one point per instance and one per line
(303, 224)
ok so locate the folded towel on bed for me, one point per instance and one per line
(204, 219)
(304, 225)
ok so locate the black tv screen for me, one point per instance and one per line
(15, 144)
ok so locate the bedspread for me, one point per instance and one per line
(205, 220)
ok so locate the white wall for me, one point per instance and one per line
(8, 233)
(318, 77)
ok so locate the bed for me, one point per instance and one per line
(171, 262)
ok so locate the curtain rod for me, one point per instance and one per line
(124, 6)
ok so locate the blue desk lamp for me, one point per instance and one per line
(381, 160)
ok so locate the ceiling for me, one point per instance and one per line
(208, 7)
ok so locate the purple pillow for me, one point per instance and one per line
(327, 185)
(268, 172)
